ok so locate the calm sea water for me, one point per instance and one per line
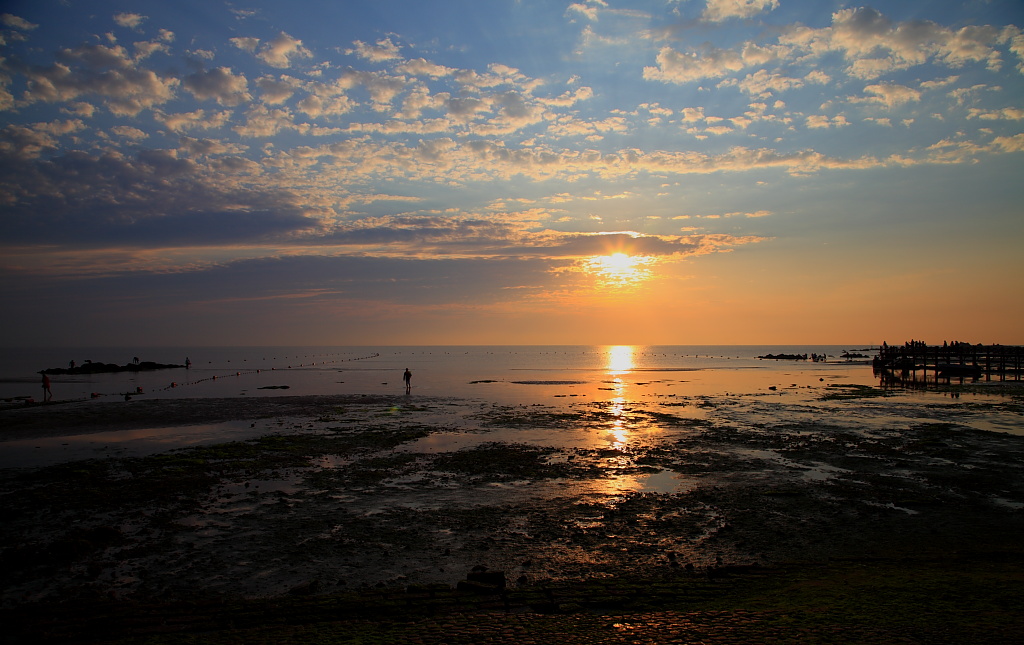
(614, 377)
(501, 373)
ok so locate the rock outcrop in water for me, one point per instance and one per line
(107, 368)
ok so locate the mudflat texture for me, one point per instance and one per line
(359, 519)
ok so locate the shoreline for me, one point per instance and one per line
(79, 416)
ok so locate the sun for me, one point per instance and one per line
(619, 269)
(618, 262)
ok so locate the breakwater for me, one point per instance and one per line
(916, 360)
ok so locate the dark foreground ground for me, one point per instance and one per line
(374, 521)
(953, 598)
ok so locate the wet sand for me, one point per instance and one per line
(334, 495)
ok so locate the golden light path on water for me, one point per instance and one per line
(620, 363)
(623, 430)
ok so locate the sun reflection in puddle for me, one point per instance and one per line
(619, 434)
(665, 482)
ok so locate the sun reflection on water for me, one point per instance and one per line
(620, 362)
(618, 433)
(620, 359)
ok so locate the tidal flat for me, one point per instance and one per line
(327, 496)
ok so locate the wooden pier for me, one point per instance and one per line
(945, 362)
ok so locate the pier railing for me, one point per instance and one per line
(958, 360)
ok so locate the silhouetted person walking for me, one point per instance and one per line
(407, 377)
(47, 394)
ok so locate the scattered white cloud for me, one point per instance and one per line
(889, 94)
(588, 9)
(15, 22)
(219, 84)
(384, 50)
(282, 50)
(129, 132)
(129, 20)
(245, 43)
(1007, 113)
(197, 120)
(678, 67)
(719, 10)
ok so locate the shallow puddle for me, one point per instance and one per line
(45, 451)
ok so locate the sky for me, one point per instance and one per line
(399, 172)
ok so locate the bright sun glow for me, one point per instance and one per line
(619, 269)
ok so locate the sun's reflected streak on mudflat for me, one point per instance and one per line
(620, 362)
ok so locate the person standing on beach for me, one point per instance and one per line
(47, 394)
(407, 377)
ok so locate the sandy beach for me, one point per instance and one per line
(324, 496)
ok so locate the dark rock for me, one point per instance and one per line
(491, 578)
(106, 368)
(306, 589)
(471, 586)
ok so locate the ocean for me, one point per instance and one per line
(508, 374)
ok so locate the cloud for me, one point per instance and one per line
(938, 82)
(567, 126)
(383, 51)
(145, 49)
(764, 84)
(1007, 113)
(197, 120)
(209, 147)
(587, 10)
(871, 44)
(889, 94)
(315, 106)
(874, 45)
(219, 84)
(261, 121)
(719, 10)
(422, 67)
(570, 98)
(677, 67)
(14, 22)
(280, 51)
(129, 132)
(818, 121)
(106, 72)
(1013, 143)
(79, 200)
(129, 20)
(80, 108)
(246, 43)
(275, 91)
(25, 142)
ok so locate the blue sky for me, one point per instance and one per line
(770, 171)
